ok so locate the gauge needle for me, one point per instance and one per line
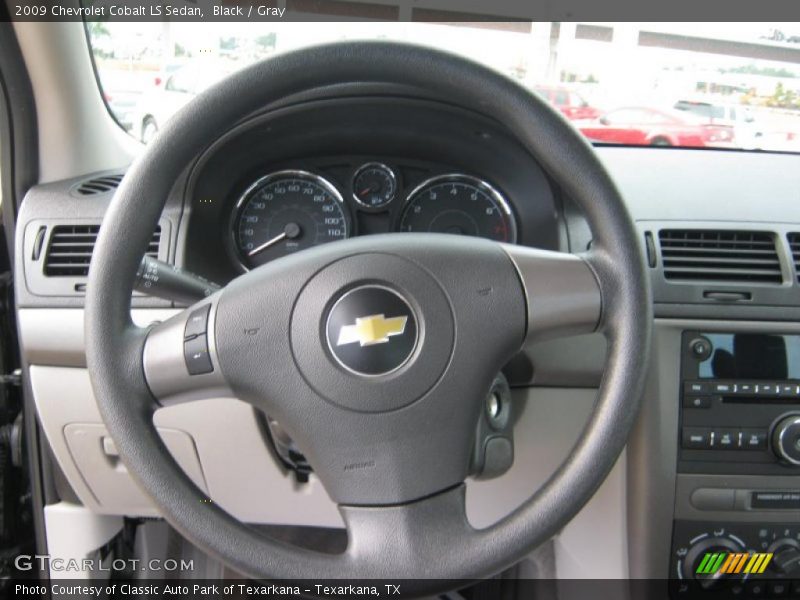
(267, 244)
(291, 231)
(373, 188)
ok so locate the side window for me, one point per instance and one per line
(561, 98)
(704, 110)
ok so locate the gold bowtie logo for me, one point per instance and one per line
(371, 330)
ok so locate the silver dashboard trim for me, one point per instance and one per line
(481, 184)
(268, 178)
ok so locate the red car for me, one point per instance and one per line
(641, 126)
(571, 104)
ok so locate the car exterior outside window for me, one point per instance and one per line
(595, 74)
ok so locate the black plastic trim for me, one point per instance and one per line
(19, 165)
(19, 152)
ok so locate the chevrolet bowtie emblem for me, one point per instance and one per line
(371, 330)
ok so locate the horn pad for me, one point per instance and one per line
(372, 332)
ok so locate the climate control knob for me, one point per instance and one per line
(786, 557)
(786, 439)
(700, 553)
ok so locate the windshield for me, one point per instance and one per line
(703, 85)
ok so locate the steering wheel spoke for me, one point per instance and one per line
(381, 537)
(562, 291)
(180, 357)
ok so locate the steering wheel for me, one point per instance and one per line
(375, 354)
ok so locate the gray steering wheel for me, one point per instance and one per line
(387, 423)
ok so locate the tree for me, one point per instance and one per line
(97, 29)
(228, 43)
(266, 42)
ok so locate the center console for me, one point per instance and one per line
(738, 456)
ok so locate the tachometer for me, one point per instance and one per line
(285, 212)
(459, 204)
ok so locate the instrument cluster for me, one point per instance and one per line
(285, 210)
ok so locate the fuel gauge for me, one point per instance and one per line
(374, 185)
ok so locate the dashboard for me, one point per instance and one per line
(328, 170)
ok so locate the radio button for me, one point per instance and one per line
(696, 438)
(788, 389)
(696, 401)
(696, 387)
(745, 389)
(724, 388)
(754, 439)
(726, 439)
(767, 388)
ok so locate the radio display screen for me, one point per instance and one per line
(751, 356)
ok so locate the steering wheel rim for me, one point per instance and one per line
(421, 527)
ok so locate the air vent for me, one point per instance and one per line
(794, 244)
(99, 185)
(707, 255)
(70, 249)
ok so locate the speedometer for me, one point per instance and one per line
(285, 212)
(459, 204)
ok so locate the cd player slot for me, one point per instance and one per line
(757, 400)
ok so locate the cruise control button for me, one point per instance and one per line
(697, 401)
(696, 438)
(197, 323)
(195, 353)
(754, 439)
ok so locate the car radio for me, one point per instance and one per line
(740, 403)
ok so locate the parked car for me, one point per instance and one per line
(122, 105)
(173, 88)
(747, 132)
(571, 104)
(655, 127)
(121, 93)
